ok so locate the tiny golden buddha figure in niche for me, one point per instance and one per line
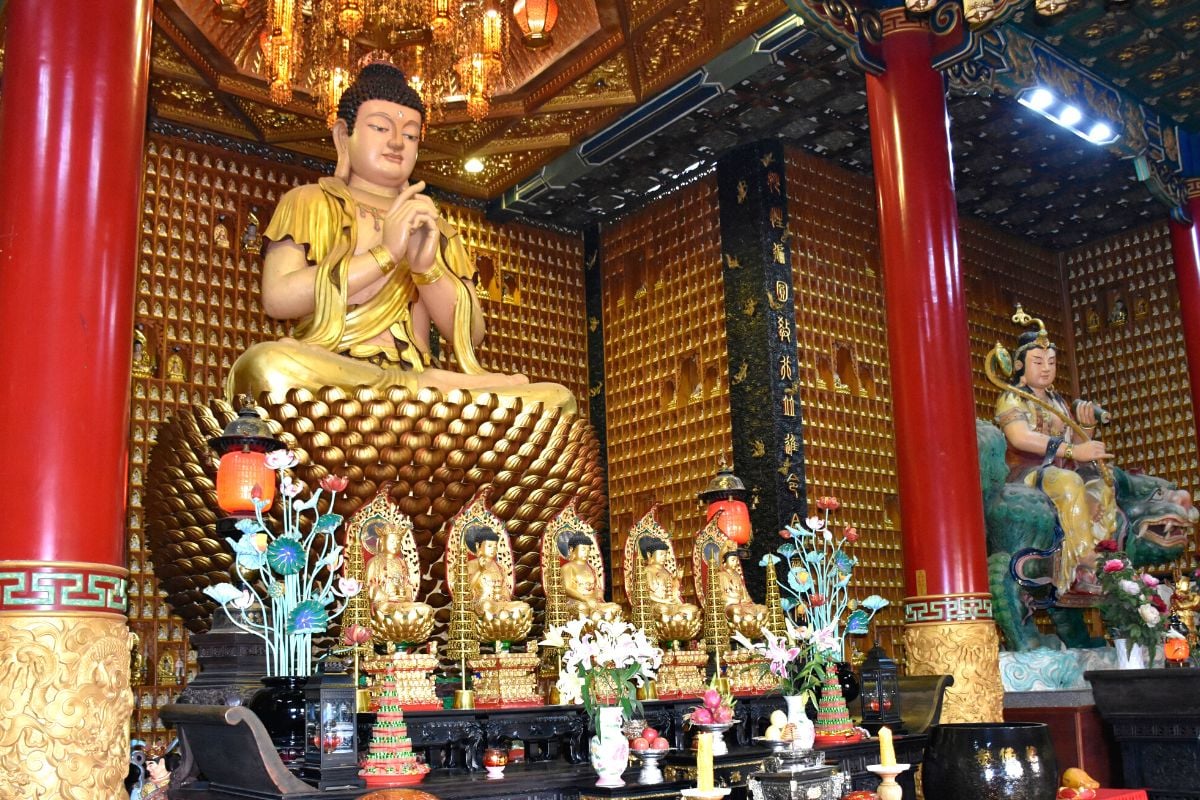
(498, 617)
(391, 587)
(144, 362)
(745, 616)
(363, 262)
(176, 372)
(581, 584)
(676, 620)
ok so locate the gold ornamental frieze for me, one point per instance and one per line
(65, 705)
(970, 651)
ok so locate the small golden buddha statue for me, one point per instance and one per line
(498, 617)
(395, 614)
(1184, 602)
(144, 362)
(745, 616)
(581, 584)
(675, 619)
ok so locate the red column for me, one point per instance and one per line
(71, 131)
(1185, 245)
(72, 121)
(932, 396)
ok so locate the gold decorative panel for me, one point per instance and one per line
(1130, 348)
(666, 365)
(841, 332)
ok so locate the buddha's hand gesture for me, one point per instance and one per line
(410, 228)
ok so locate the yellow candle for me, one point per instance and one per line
(887, 753)
(704, 762)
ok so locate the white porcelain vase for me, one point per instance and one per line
(609, 748)
(806, 730)
(1130, 656)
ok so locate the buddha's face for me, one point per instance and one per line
(658, 557)
(1041, 367)
(731, 560)
(391, 543)
(581, 552)
(383, 144)
(487, 548)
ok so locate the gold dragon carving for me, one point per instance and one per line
(65, 705)
(970, 651)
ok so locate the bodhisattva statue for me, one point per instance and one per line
(1039, 438)
(363, 262)
(581, 584)
(395, 614)
(744, 615)
(676, 620)
(498, 617)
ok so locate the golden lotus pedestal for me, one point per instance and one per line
(507, 680)
(748, 672)
(682, 674)
(414, 679)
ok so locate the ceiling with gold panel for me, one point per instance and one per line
(605, 57)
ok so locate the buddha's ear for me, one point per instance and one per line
(341, 143)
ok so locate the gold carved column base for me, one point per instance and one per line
(507, 680)
(65, 704)
(968, 650)
(682, 674)
(413, 673)
(748, 672)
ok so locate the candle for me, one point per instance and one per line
(887, 753)
(704, 762)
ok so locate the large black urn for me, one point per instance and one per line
(280, 706)
(990, 761)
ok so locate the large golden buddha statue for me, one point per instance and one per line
(498, 617)
(676, 620)
(363, 263)
(391, 587)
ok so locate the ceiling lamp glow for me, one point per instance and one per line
(1069, 116)
(473, 165)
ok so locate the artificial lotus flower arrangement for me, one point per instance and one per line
(817, 579)
(300, 595)
(603, 661)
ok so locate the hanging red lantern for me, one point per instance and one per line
(243, 476)
(727, 494)
(734, 521)
(535, 18)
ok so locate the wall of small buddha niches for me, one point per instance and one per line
(666, 367)
(197, 309)
(1124, 306)
(841, 343)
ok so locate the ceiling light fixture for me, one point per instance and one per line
(473, 165)
(1069, 116)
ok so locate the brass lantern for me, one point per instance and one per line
(880, 680)
(330, 733)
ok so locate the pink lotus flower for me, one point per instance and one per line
(257, 492)
(828, 503)
(785, 533)
(354, 635)
(290, 488)
(850, 533)
(1114, 565)
(816, 600)
(348, 587)
(281, 459)
(334, 483)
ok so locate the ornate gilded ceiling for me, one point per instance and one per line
(605, 58)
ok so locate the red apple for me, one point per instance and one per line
(702, 716)
(660, 744)
(640, 743)
(712, 698)
(649, 734)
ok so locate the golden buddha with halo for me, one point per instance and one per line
(498, 617)
(745, 616)
(582, 584)
(392, 579)
(676, 620)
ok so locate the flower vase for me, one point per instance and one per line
(609, 748)
(1130, 656)
(806, 731)
(280, 707)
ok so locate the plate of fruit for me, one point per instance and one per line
(649, 741)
